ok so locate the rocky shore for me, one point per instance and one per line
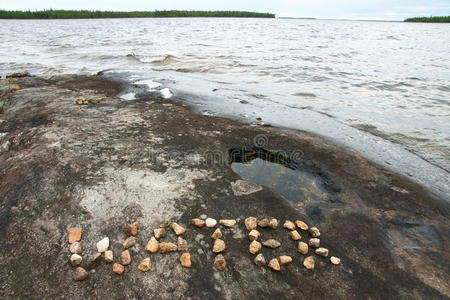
(78, 165)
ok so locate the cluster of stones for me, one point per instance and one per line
(219, 245)
(251, 223)
(86, 101)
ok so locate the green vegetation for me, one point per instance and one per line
(82, 14)
(444, 19)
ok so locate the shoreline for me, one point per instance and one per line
(102, 165)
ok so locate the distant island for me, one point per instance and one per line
(97, 14)
(443, 19)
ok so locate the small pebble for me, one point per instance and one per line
(108, 256)
(75, 248)
(152, 245)
(210, 222)
(159, 233)
(74, 234)
(219, 246)
(295, 235)
(260, 260)
(302, 225)
(273, 223)
(314, 242)
(129, 242)
(250, 223)
(94, 260)
(165, 223)
(314, 231)
(220, 263)
(198, 223)
(178, 229)
(80, 274)
(254, 247)
(322, 252)
(75, 259)
(167, 247)
(264, 223)
(185, 260)
(303, 248)
(133, 228)
(253, 235)
(272, 243)
(103, 245)
(289, 225)
(182, 244)
(118, 268)
(309, 263)
(284, 259)
(125, 257)
(145, 265)
(217, 234)
(334, 260)
(274, 264)
(227, 223)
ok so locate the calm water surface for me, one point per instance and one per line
(380, 88)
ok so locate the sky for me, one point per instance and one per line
(351, 9)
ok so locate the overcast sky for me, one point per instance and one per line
(353, 9)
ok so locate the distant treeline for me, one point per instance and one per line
(430, 19)
(87, 14)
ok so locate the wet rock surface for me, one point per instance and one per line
(102, 165)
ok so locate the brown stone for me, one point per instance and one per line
(250, 223)
(198, 223)
(314, 231)
(322, 252)
(74, 234)
(80, 274)
(108, 256)
(145, 265)
(152, 245)
(253, 235)
(219, 246)
(302, 225)
(289, 225)
(264, 223)
(178, 229)
(125, 257)
(167, 247)
(129, 242)
(254, 247)
(185, 260)
(159, 233)
(217, 234)
(284, 259)
(272, 243)
(273, 223)
(220, 263)
(182, 244)
(75, 248)
(314, 242)
(334, 260)
(295, 235)
(133, 228)
(309, 263)
(303, 248)
(165, 223)
(274, 264)
(118, 268)
(227, 223)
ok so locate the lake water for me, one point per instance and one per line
(380, 88)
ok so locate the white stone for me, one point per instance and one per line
(210, 222)
(103, 245)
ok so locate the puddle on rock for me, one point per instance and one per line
(285, 177)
